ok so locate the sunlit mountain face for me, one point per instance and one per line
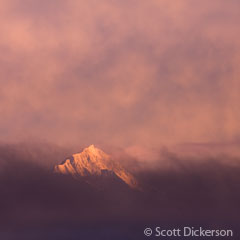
(94, 162)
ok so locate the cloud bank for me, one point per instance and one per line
(119, 72)
(37, 204)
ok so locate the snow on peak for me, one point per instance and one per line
(93, 161)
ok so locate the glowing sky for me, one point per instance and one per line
(120, 72)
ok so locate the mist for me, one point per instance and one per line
(36, 203)
(121, 73)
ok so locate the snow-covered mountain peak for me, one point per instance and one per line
(93, 161)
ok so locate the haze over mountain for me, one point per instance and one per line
(37, 204)
(94, 162)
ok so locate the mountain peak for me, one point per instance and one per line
(91, 147)
(93, 161)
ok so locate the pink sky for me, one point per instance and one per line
(121, 73)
